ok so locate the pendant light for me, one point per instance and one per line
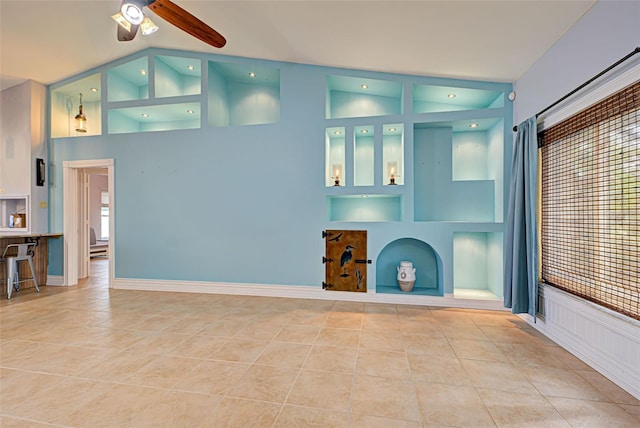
(81, 120)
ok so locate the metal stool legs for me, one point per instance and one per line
(13, 272)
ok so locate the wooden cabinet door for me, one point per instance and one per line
(346, 260)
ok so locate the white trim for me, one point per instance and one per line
(605, 340)
(581, 102)
(55, 280)
(71, 220)
(299, 292)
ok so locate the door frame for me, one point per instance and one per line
(74, 225)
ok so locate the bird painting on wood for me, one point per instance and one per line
(346, 258)
(345, 250)
(337, 238)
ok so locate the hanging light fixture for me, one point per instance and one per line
(81, 120)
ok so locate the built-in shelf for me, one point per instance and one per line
(163, 117)
(14, 214)
(359, 97)
(424, 259)
(335, 156)
(65, 104)
(477, 264)
(393, 154)
(177, 76)
(363, 162)
(364, 207)
(243, 94)
(431, 99)
(458, 170)
(129, 81)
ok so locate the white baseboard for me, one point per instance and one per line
(55, 280)
(603, 339)
(301, 292)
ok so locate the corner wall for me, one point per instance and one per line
(608, 32)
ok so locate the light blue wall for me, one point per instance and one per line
(247, 204)
(606, 33)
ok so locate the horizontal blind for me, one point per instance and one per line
(590, 190)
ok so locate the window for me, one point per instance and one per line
(104, 215)
(590, 187)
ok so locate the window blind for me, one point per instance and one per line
(590, 189)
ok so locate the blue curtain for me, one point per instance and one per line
(521, 251)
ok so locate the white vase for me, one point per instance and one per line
(406, 276)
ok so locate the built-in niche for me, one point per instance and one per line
(363, 156)
(177, 76)
(477, 265)
(65, 106)
(242, 94)
(129, 81)
(359, 97)
(335, 156)
(458, 170)
(431, 99)
(163, 117)
(393, 154)
(425, 260)
(364, 207)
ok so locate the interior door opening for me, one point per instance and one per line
(88, 218)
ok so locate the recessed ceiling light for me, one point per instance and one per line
(364, 196)
(145, 115)
(93, 89)
(143, 72)
(252, 74)
(190, 111)
(392, 130)
(473, 125)
(451, 95)
(364, 86)
(338, 132)
(190, 67)
(364, 131)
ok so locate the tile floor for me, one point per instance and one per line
(91, 357)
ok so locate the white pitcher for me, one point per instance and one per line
(406, 276)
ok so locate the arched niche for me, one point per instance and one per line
(424, 259)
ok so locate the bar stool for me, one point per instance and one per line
(12, 258)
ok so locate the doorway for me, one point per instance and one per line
(77, 219)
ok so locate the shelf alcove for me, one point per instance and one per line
(176, 76)
(129, 81)
(242, 94)
(459, 165)
(477, 265)
(360, 97)
(425, 260)
(431, 99)
(64, 104)
(364, 207)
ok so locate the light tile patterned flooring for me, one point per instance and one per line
(90, 357)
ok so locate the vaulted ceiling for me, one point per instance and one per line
(49, 40)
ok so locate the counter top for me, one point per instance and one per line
(30, 235)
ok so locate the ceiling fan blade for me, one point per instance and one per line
(182, 19)
(127, 36)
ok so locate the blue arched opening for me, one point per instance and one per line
(424, 259)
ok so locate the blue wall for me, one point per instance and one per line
(247, 204)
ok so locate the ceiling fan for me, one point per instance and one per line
(131, 18)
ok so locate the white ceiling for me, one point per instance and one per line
(49, 40)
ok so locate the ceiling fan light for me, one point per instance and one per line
(147, 26)
(120, 19)
(132, 11)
